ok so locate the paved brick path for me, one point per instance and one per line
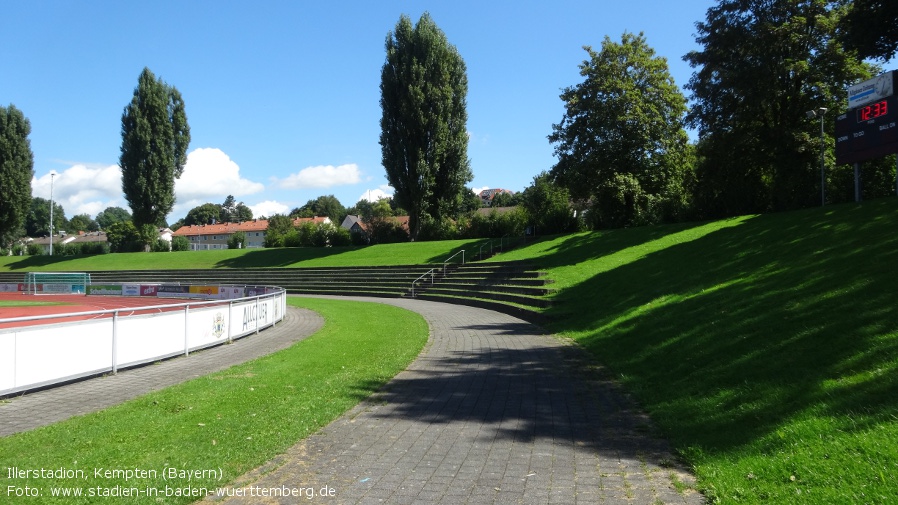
(492, 411)
(41, 408)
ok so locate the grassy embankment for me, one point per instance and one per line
(765, 347)
(235, 420)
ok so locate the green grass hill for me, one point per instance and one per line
(765, 347)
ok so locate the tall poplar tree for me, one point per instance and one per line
(155, 136)
(424, 138)
(16, 171)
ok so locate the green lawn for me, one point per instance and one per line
(19, 303)
(235, 420)
(378, 255)
(765, 347)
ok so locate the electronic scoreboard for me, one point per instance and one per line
(870, 127)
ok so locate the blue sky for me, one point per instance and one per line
(282, 97)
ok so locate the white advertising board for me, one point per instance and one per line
(247, 316)
(7, 361)
(871, 90)
(207, 326)
(46, 353)
(145, 338)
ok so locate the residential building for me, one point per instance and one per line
(487, 195)
(207, 237)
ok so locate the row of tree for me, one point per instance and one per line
(623, 152)
(624, 157)
(622, 147)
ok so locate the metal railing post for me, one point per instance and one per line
(115, 342)
(186, 332)
(230, 322)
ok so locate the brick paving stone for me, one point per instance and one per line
(493, 411)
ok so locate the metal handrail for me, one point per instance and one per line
(480, 251)
(462, 252)
(429, 272)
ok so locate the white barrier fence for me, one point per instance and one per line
(37, 356)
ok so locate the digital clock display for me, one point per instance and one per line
(872, 111)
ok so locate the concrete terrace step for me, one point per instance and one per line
(513, 288)
(494, 295)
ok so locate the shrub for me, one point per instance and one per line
(341, 237)
(123, 237)
(160, 245)
(323, 233)
(180, 243)
(384, 230)
(306, 233)
(494, 224)
(35, 250)
(237, 240)
(292, 239)
(358, 237)
(431, 229)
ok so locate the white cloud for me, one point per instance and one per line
(211, 175)
(373, 195)
(83, 189)
(321, 176)
(268, 208)
(478, 190)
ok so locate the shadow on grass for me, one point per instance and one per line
(583, 247)
(727, 336)
(471, 249)
(31, 262)
(281, 257)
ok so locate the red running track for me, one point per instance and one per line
(80, 303)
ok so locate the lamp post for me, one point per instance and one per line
(812, 114)
(52, 175)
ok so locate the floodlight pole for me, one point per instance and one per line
(52, 175)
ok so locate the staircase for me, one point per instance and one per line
(514, 288)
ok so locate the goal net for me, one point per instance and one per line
(48, 283)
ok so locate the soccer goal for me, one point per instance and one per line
(48, 283)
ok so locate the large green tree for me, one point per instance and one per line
(206, 213)
(233, 211)
(324, 205)
(762, 65)
(424, 139)
(16, 171)
(37, 221)
(112, 215)
(82, 222)
(155, 136)
(622, 140)
(548, 206)
(870, 27)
